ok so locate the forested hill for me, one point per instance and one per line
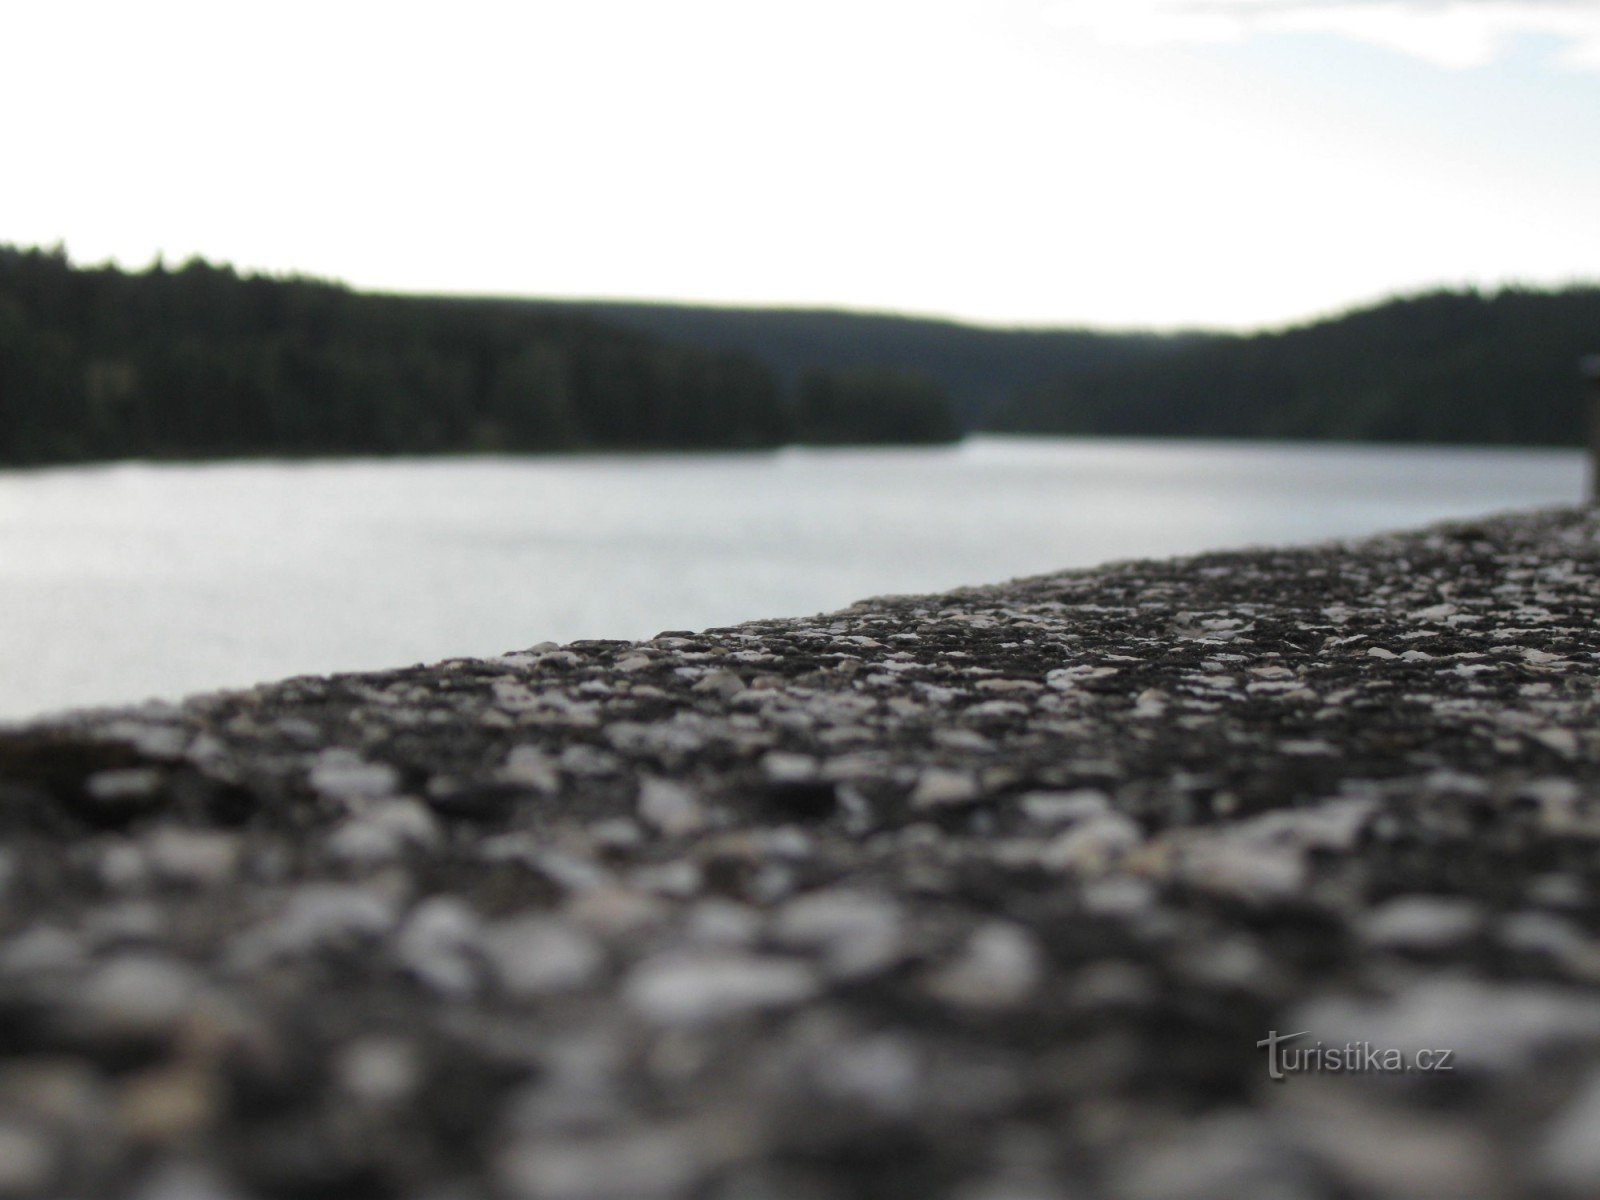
(1443, 367)
(200, 361)
(100, 363)
(984, 369)
(1459, 366)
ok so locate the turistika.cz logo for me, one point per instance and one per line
(1284, 1059)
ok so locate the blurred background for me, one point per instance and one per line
(346, 336)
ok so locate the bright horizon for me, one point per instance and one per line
(1106, 163)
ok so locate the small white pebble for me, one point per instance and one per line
(1119, 896)
(133, 783)
(536, 955)
(1569, 1153)
(723, 923)
(616, 833)
(184, 1181)
(782, 767)
(345, 775)
(1421, 922)
(383, 831)
(670, 808)
(439, 944)
(720, 683)
(316, 916)
(529, 766)
(124, 867)
(640, 1166)
(855, 932)
(998, 968)
(939, 787)
(683, 988)
(138, 995)
(1308, 747)
(1094, 843)
(677, 878)
(27, 1161)
(197, 857)
(1563, 741)
(41, 949)
(378, 1070)
(1243, 867)
(1063, 808)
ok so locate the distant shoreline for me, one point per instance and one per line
(760, 452)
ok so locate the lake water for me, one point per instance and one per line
(131, 581)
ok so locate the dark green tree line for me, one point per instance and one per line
(99, 363)
(1469, 367)
(199, 361)
(873, 404)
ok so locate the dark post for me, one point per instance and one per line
(1591, 374)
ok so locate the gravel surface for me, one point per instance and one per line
(989, 895)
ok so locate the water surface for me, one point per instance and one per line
(130, 581)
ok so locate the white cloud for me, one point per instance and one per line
(1449, 33)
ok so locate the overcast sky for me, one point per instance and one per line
(1110, 162)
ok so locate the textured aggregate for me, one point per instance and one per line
(988, 895)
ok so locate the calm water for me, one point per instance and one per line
(125, 582)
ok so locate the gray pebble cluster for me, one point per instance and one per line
(988, 895)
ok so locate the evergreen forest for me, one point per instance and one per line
(200, 361)
(1496, 368)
